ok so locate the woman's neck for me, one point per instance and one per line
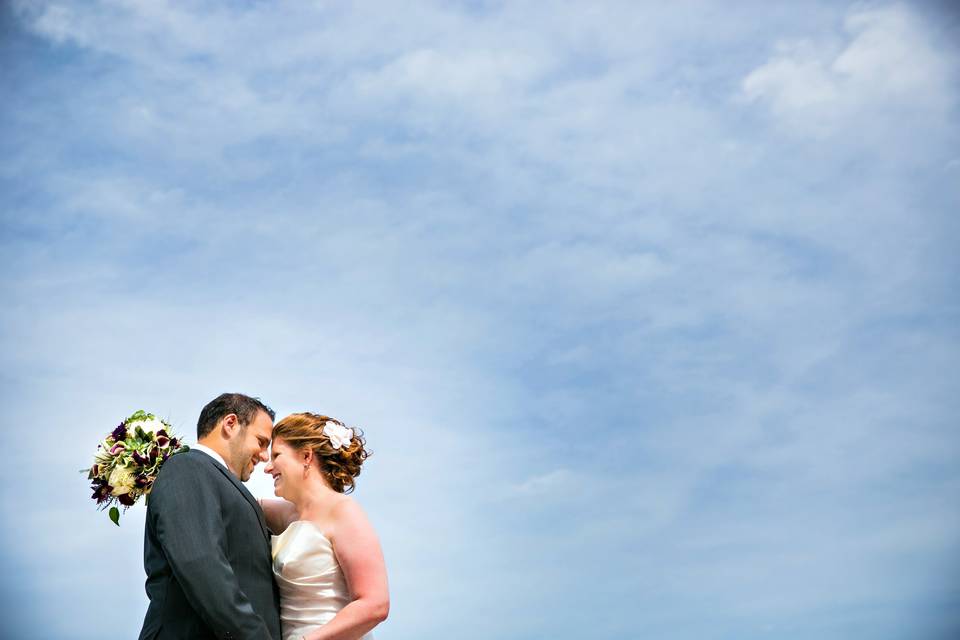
(315, 498)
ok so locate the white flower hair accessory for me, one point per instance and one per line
(340, 436)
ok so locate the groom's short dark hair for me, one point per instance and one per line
(245, 407)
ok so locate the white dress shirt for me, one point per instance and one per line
(210, 452)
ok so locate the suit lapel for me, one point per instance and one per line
(244, 492)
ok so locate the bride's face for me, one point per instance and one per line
(285, 467)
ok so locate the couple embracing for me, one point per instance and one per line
(222, 564)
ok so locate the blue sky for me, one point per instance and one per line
(649, 313)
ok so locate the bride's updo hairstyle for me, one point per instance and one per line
(338, 465)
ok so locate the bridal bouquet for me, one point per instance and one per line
(127, 461)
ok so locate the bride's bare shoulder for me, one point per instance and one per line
(346, 515)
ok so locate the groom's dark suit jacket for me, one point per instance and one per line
(207, 556)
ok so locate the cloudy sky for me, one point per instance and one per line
(649, 313)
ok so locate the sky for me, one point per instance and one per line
(647, 310)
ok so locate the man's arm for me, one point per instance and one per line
(189, 526)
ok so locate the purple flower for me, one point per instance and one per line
(139, 459)
(117, 448)
(120, 432)
(101, 490)
(162, 433)
(141, 481)
(125, 499)
(162, 440)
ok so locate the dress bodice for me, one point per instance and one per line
(312, 586)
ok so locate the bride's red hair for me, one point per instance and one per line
(338, 466)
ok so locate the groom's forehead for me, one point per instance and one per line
(262, 425)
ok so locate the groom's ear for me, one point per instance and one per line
(230, 424)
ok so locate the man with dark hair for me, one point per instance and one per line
(245, 407)
(206, 544)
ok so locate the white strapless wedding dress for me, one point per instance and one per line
(312, 586)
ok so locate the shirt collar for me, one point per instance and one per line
(210, 452)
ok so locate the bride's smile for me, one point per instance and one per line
(281, 458)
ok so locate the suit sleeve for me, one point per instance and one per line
(189, 527)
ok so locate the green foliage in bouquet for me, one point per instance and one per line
(128, 460)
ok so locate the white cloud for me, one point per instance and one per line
(886, 62)
(462, 75)
(545, 483)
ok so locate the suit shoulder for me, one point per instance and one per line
(183, 473)
(187, 464)
(189, 457)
